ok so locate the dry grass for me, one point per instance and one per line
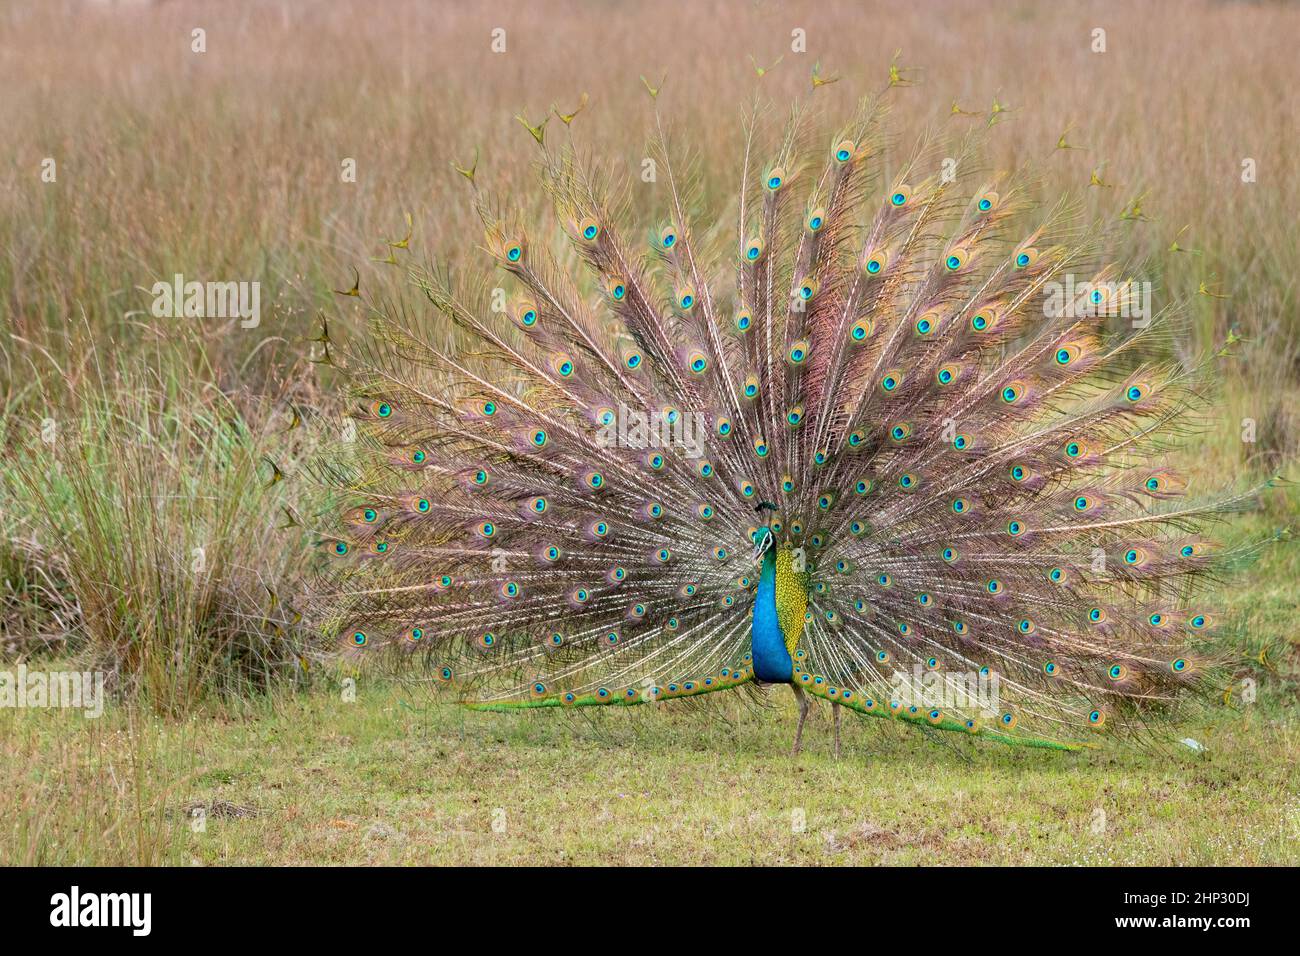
(226, 163)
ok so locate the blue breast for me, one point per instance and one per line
(772, 662)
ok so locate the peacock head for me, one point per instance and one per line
(764, 539)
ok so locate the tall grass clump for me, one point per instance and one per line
(156, 506)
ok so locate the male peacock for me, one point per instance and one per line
(861, 443)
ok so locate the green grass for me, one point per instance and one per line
(392, 779)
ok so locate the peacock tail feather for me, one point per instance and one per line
(837, 441)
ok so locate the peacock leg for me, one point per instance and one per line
(804, 706)
(835, 710)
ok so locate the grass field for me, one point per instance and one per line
(388, 780)
(140, 534)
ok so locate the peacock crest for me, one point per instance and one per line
(918, 397)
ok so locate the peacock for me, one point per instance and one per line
(889, 432)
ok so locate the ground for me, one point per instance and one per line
(392, 779)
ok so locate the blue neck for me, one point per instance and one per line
(772, 662)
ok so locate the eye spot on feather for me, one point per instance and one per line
(1025, 257)
(754, 250)
(667, 237)
(1066, 354)
(359, 639)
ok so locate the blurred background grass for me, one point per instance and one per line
(225, 165)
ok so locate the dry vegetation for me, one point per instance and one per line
(226, 165)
